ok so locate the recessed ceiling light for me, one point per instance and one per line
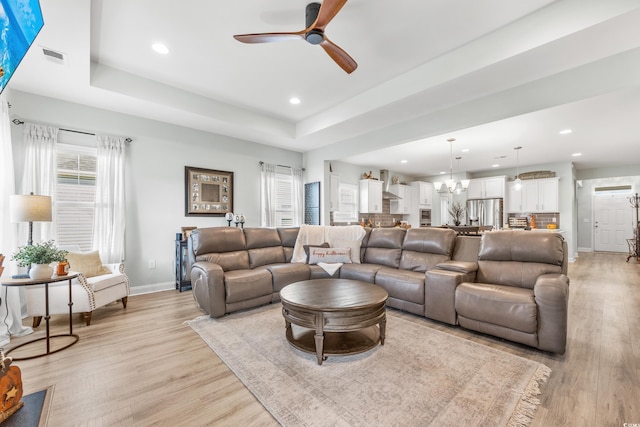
(495, 166)
(160, 48)
(442, 173)
(465, 150)
(566, 131)
(294, 101)
(577, 154)
(403, 161)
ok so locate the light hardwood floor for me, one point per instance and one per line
(144, 366)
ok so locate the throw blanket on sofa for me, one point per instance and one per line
(349, 236)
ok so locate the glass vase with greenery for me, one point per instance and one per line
(39, 253)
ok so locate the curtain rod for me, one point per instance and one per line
(20, 122)
(280, 166)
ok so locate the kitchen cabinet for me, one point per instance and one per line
(422, 194)
(514, 202)
(486, 188)
(536, 196)
(334, 192)
(404, 204)
(370, 196)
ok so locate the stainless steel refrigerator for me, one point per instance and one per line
(485, 212)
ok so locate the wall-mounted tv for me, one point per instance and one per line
(21, 22)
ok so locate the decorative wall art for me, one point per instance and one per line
(208, 192)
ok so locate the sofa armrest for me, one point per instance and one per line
(551, 293)
(207, 283)
(458, 266)
(439, 293)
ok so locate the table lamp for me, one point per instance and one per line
(29, 208)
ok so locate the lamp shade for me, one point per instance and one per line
(28, 208)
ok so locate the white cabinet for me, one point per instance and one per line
(422, 194)
(403, 204)
(548, 195)
(370, 196)
(536, 196)
(514, 202)
(486, 188)
(334, 192)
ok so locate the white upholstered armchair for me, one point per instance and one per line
(96, 286)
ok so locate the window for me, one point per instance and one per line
(281, 196)
(75, 195)
(284, 197)
(347, 203)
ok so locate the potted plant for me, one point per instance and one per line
(38, 257)
(456, 211)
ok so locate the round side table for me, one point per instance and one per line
(48, 337)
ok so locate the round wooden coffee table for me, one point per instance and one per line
(335, 316)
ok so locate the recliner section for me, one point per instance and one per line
(511, 284)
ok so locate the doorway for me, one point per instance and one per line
(613, 222)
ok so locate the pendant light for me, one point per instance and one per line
(451, 185)
(517, 184)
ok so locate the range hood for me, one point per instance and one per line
(386, 180)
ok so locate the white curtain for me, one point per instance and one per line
(109, 218)
(10, 307)
(268, 195)
(298, 196)
(39, 175)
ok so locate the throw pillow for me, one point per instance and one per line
(329, 255)
(87, 263)
(306, 249)
(353, 244)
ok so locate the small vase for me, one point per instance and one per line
(40, 271)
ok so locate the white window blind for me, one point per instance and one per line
(347, 204)
(75, 195)
(284, 197)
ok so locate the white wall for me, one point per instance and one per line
(155, 175)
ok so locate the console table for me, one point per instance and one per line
(31, 282)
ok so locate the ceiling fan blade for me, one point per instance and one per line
(328, 10)
(269, 37)
(338, 54)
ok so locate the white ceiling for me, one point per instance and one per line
(494, 74)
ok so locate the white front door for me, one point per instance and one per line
(613, 223)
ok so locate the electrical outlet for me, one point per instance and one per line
(554, 219)
(152, 263)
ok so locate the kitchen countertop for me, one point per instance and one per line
(540, 230)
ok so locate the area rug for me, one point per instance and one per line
(419, 377)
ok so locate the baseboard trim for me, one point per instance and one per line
(151, 288)
(585, 249)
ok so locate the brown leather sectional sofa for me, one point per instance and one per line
(510, 284)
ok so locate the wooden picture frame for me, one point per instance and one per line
(207, 192)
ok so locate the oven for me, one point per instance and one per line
(425, 217)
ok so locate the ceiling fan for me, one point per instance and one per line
(317, 18)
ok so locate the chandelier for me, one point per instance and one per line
(450, 185)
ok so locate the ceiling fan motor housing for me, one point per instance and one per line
(313, 36)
